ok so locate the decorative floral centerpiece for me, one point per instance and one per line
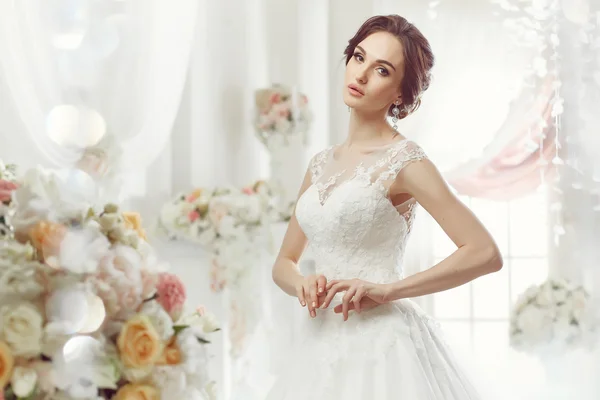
(280, 111)
(231, 223)
(86, 309)
(552, 318)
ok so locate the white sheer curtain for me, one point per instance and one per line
(117, 67)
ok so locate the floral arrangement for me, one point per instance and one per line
(552, 317)
(7, 185)
(280, 111)
(86, 309)
(228, 221)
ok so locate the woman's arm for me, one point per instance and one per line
(477, 253)
(286, 273)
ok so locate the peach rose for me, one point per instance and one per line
(46, 237)
(7, 363)
(133, 391)
(139, 343)
(134, 221)
(171, 355)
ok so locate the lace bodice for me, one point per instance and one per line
(354, 230)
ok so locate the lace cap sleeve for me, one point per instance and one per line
(399, 157)
(317, 163)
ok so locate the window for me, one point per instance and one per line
(476, 315)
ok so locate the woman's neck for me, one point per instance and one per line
(368, 130)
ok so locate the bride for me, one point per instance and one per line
(366, 339)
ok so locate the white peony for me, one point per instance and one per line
(21, 328)
(51, 195)
(81, 250)
(194, 354)
(250, 209)
(160, 319)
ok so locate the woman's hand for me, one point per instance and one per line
(311, 291)
(360, 295)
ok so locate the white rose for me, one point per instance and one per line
(171, 380)
(531, 321)
(18, 272)
(81, 250)
(23, 381)
(21, 328)
(210, 323)
(160, 319)
(544, 296)
(560, 295)
(206, 237)
(251, 210)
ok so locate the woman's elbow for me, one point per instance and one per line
(491, 259)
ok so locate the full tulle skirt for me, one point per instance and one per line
(394, 351)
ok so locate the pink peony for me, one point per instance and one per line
(6, 189)
(171, 294)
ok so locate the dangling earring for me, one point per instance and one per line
(396, 112)
(348, 108)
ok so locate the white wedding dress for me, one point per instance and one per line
(393, 351)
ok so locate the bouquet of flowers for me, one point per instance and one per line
(280, 111)
(86, 309)
(552, 317)
(230, 222)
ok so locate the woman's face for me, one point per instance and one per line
(374, 73)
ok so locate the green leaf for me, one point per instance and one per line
(179, 328)
(202, 340)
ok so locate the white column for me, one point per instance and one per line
(314, 67)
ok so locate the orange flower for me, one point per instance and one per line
(133, 391)
(171, 355)
(7, 363)
(134, 221)
(46, 237)
(139, 343)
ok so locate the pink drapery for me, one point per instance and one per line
(510, 168)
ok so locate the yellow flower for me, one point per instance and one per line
(7, 363)
(171, 355)
(134, 221)
(139, 343)
(46, 237)
(134, 391)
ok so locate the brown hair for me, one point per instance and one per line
(418, 57)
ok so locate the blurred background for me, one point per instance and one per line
(164, 99)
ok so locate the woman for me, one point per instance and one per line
(356, 207)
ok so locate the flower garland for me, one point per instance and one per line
(86, 309)
(552, 317)
(233, 224)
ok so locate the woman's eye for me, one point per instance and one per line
(383, 71)
(358, 57)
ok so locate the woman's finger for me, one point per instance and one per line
(300, 294)
(331, 283)
(313, 293)
(321, 285)
(358, 296)
(346, 301)
(340, 286)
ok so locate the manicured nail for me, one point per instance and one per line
(321, 290)
(313, 314)
(314, 304)
(303, 303)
